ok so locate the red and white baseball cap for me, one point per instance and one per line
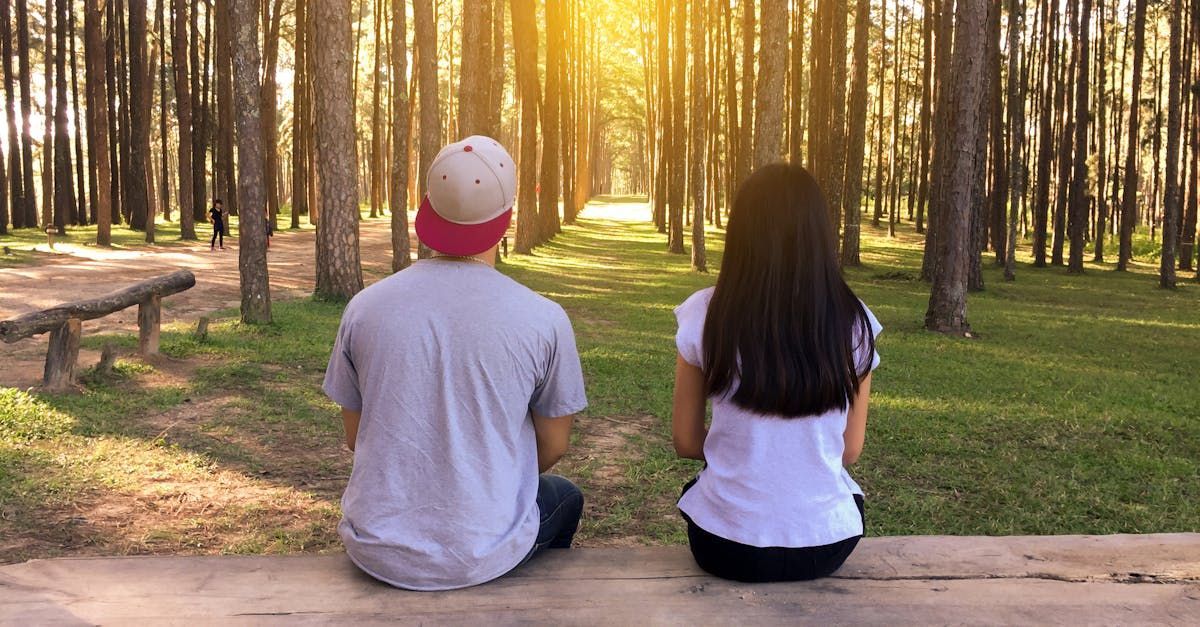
(472, 187)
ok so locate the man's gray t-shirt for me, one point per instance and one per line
(446, 360)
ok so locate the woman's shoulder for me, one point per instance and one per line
(696, 302)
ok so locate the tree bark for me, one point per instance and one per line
(677, 200)
(525, 59)
(425, 24)
(339, 268)
(137, 187)
(269, 110)
(1078, 219)
(1130, 187)
(300, 116)
(1016, 125)
(1172, 202)
(30, 213)
(666, 139)
(696, 159)
(769, 90)
(199, 117)
(16, 186)
(745, 153)
(224, 176)
(1041, 204)
(857, 137)
(947, 311)
(251, 188)
(183, 115)
(401, 121)
(474, 74)
(551, 126)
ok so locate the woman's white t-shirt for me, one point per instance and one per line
(770, 481)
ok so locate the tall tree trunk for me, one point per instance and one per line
(947, 311)
(199, 117)
(164, 188)
(769, 90)
(497, 74)
(251, 188)
(857, 136)
(224, 177)
(926, 111)
(378, 127)
(677, 201)
(551, 127)
(1172, 203)
(745, 153)
(474, 76)
(1078, 220)
(30, 212)
(339, 268)
(1016, 125)
(183, 114)
(269, 110)
(137, 191)
(1041, 204)
(425, 24)
(940, 160)
(16, 181)
(48, 204)
(796, 74)
(1130, 187)
(525, 59)
(696, 159)
(401, 120)
(300, 115)
(118, 97)
(81, 216)
(665, 148)
(1000, 172)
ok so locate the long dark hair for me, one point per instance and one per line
(782, 325)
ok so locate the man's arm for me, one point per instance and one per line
(350, 420)
(553, 437)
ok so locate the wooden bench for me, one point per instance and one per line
(892, 580)
(64, 323)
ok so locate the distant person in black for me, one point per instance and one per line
(216, 216)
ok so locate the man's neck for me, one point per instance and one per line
(488, 257)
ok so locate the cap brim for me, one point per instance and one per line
(450, 238)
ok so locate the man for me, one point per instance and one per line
(216, 215)
(458, 387)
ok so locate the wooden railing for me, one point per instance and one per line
(64, 323)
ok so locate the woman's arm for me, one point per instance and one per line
(856, 423)
(687, 418)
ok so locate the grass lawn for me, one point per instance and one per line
(1074, 411)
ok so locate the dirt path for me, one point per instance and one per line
(88, 272)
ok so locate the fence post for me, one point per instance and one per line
(149, 314)
(61, 356)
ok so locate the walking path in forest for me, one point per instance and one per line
(88, 272)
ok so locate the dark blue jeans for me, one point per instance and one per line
(560, 504)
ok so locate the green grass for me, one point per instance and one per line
(1074, 411)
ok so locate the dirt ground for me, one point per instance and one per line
(87, 272)
(296, 486)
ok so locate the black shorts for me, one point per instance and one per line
(741, 562)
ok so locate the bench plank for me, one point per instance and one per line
(894, 580)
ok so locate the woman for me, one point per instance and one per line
(784, 350)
